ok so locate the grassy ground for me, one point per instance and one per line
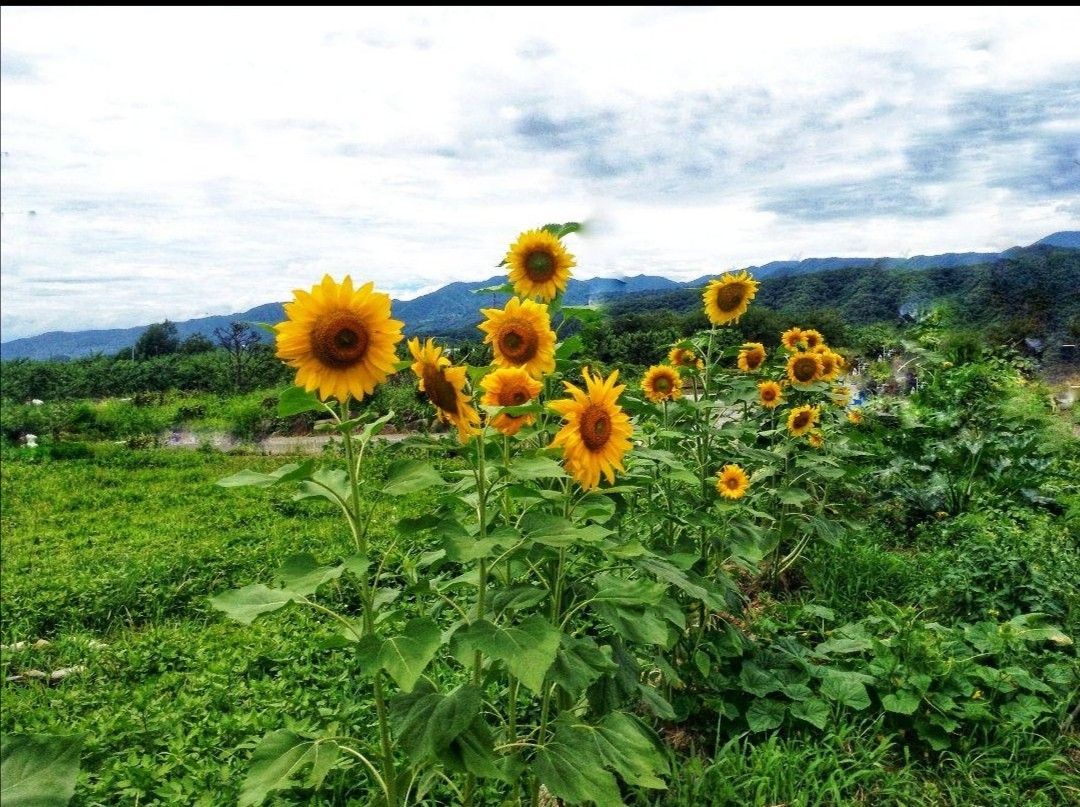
(112, 559)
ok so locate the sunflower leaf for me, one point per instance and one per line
(296, 400)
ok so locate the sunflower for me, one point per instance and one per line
(539, 265)
(816, 438)
(520, 335)
(813, 339)
(685, 357)
(596, 435)
(341, 340)
(854, 416)
(732, 482)
(792, 338)
(804, 368)
(801, 419)
(662, 383)
(727, 298)
(841, 395)
(510, 386)
(769, 393)
(751, 356)
(445, 387)
(830, 364)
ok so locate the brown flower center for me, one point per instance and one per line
(805, 369)
(595, 427)
(662, 383)
(812, 340)
(516, 397)
(733, 482)
(827, 365)
(540, 266)
(801, 419)
(768, 394)
(340, 340)
(730, 297)
(440, 391)
(518, 342)
(754, 358)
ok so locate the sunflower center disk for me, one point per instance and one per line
(801, 420)
(595, 427)
(805, 369)
(340, 340)
(440, 391)
(518, 343)
(730, 297)
(540, 266)
(663, 384)
(733, 482)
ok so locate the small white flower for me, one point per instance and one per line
(37, 402)
(30, 440)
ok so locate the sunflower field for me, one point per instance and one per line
(587, 591)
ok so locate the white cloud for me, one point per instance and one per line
(186, 162)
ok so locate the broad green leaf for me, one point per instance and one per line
(560, 533)
(621, 591)
(38, 770)
(656, 702)
(757, 681)
(570, 348)
(327, 483)
(518, 598)
(578, 663)
(295, 400)
(244, 604)
(293, 472)
(641, 625)
(406, 656)
(528, 649)
(847, 688)
(539, 467)
(410, 476)
(793, 496)
(765, 715)
(302, 574)
(278, 760)
(472, 751)
(595, 507)
(631, 749)
(583, 313)
(814, 711)
(573, 770)
(687, 581)
(902, 702)
(426, 722)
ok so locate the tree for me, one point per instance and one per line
(196, 343)
(239, 341)
(159, 339)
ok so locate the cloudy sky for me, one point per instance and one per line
(178, 163)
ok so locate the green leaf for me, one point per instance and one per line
(295, 400)
(38, 770)
(814, 711)
(293, 472)
(578, 663)
(330, 484)
(902, 702)
(793, 496)
(505, 288)
(244, 604)
(528, 649)
(426, 722)
(757, 681)
(406, 656)
(620, 591)
(573, 770)
(539, 467)
(641, 625)
(570, 348)
(410, 476)
(656, 702)
(847, 688)
(302, 574)
(278, 760)
(472, 751)
(765, 715)
(687, 581)
(631, 749)
(557, 532)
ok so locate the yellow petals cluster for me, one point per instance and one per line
(510, 386)
(539, 265)
(802, 419)
(732, 482)
(596, 433)
(520, 335)
(662, 383)
(751, 356)
(727, 298)
(444, 386)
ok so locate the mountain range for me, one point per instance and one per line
(455, 307)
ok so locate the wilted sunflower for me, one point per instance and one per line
(804, 368)
(596, 435)
(445, 387)
(509, 387)
(520, 336)
(539, 265)
(727, 298)
(732, 482)
(854, 416)
(770, 393)
(341, 340)
(816, 438)
(662, 383)
(792, 339)
(812, 339)
(685, 357)
(801, 419)
(751, 356)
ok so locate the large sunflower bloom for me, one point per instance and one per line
(770, 394)
(792, 339)
(539, 265)
(812, 339)
(732, 482)
(685, 357)
(802, 419)
(804, 368)
(596, 435)
(520, 336)
(510, 386)
(341, 340)
(727, 298)
(662, 383)
(444, 386)
(751, 356)
(830, 365)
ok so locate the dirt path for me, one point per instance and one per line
(222, 441)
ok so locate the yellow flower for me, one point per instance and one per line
(727, 298)
(804, 368)
(596, 435)
(801, 420)
(539, 265)
(841, 395)
(445, 387)
(509, 387)
(520, 336)
(854, 416)
(662, 383)
(816, 438)
(685, 357)
(812, 339)
(792, 338)
(340, 340)
(830, 364)
(770, 393)
(732, 482)
(751, 356)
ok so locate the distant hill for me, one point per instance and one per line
(454, 308)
